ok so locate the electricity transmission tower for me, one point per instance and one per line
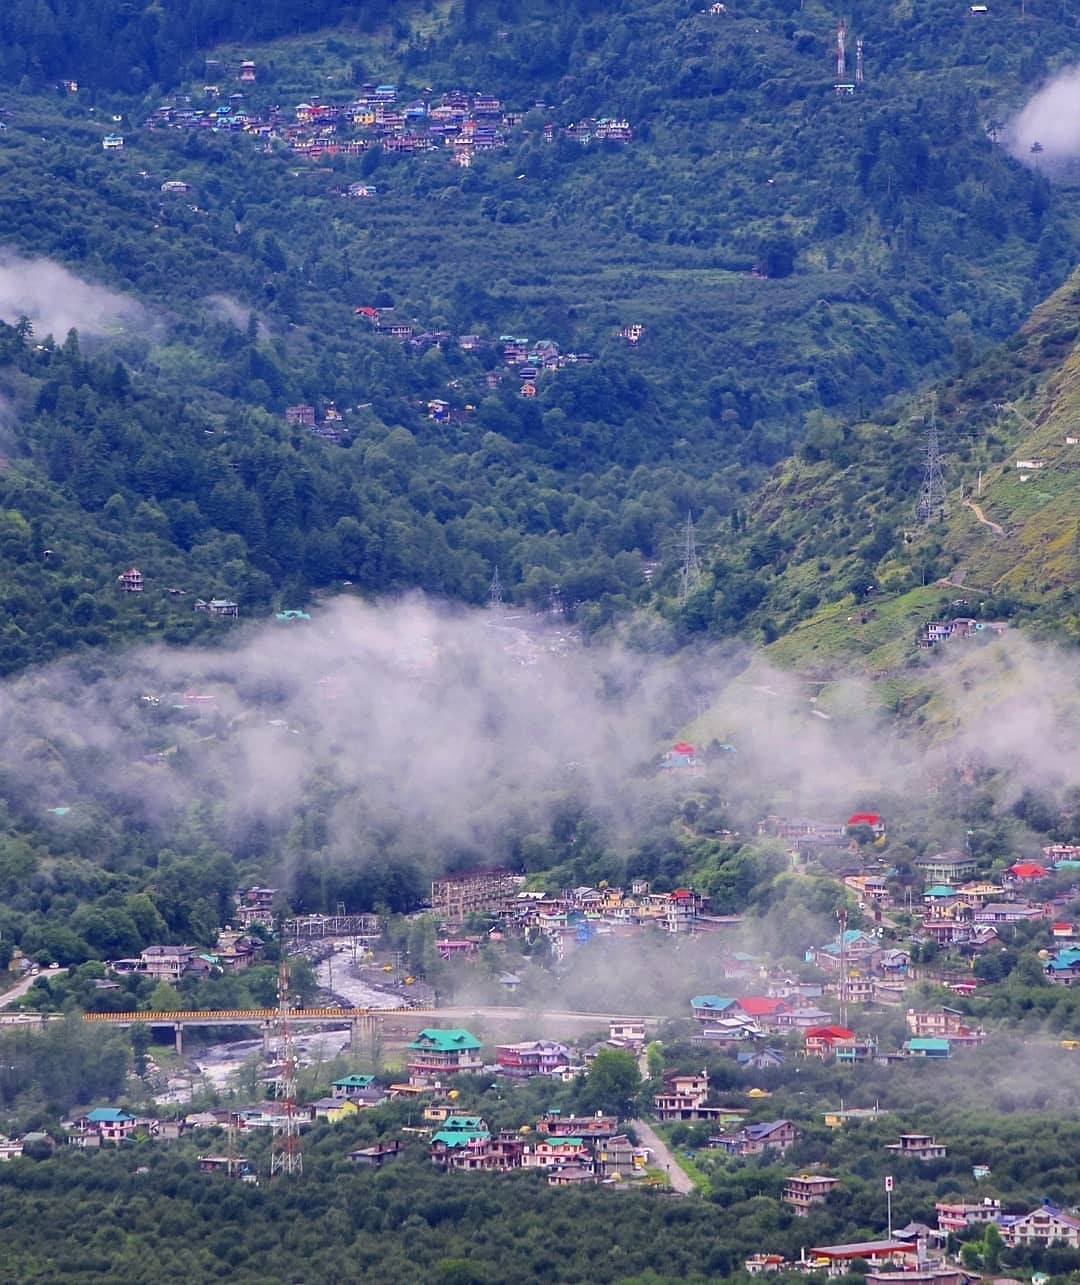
(691, 568)
(932, 495)
(495, 592)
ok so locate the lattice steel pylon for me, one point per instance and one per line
(691, 567)
(286, 1156)
(932, 496)
(495, 592)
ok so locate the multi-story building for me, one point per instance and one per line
(918, 1146)
(436, 1054)
(950, 868)
(455, 897)
(536, 1057)
(1043, 1226)
(806, 1189)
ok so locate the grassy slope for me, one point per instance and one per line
(1020, 405)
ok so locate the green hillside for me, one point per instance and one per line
(793, 256)
(841, 569)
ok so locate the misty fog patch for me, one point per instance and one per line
(56, 300)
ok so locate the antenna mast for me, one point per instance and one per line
(691, 568)
(842, 989)
(495, 592)
(841, 55)
(932, 496)
(286, 1156)
(858, 61)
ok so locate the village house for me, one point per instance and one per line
(766, 1011)
(375, 1156)
(102, 1125)
(837, 1042)
(917, 1146)
(945, 1023)
(683, 1097)
(756, 1264)
(630, 1030)
(853, 949)
(131, 580)
(438, 1053)
(1044, 1226)
(168, 963)
(556, 1153)
(806, 1189)
(956, 1216)
(707, 1008)
(301, 414)
(351, 1086)
(230, 1166)
(235, 950)
(536, 1057)
(1064, 967)
(593, 1128)
(766, 1059)
(753, 1139)
(222, 607)
(927, 1046)
(836, 1119)
(619, 1157)
(950, 868)
(255, 906)
(10, 1148)
(802, 1019)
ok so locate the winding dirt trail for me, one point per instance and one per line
(997, 530)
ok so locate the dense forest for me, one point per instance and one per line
(789, 254)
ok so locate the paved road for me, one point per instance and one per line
(17, 992)
(664, 1159)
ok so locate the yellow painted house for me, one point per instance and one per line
(335, 1109)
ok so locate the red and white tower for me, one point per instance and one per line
(286, 1155)
(841, 50)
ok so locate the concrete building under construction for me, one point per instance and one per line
(456, 896)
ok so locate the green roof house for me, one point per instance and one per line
(437, 1053)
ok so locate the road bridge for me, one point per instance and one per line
(309, 927)
(362, 1021)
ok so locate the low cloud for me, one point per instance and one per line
(408, 730)
(1046, 131)
(56, 300)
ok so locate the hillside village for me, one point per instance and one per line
(458, 123)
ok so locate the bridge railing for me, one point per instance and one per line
(248, 1015)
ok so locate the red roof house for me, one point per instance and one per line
(1027, 870)
(763, 1008)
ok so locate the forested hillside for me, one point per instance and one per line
(837, 530)
(789, 253)
(754, 265)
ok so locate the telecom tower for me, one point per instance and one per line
(495, 592)
(932, 496)
(841, 55)
(842, 988)
(286, 1156)
(691, 568)
(858, 61)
